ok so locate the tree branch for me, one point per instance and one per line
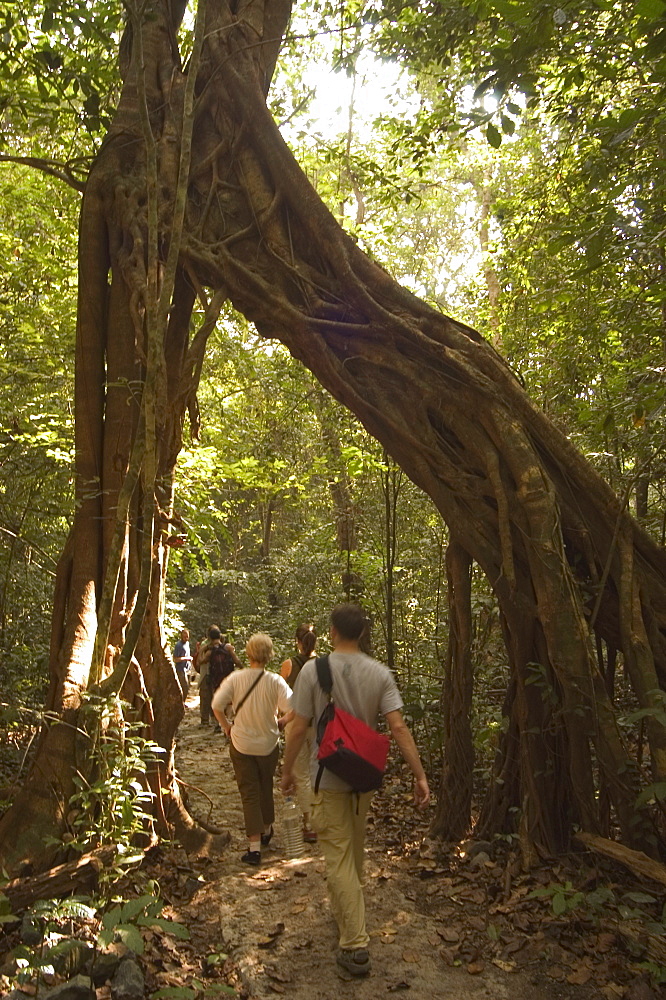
(61, 171)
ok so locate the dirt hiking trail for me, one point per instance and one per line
(275, 925)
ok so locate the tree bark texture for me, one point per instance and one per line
(561, 552)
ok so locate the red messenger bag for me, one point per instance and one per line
(348, 747)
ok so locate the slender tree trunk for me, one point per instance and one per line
(344, 507)
(391, 483)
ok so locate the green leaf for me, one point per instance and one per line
(168, 926)
(217, 958)
(135, 906)
(508, 10)
(494, 136)
(639, 897)
(112, 917)
(650, 9)
(559, 903)
(652, 793)
(130, 935)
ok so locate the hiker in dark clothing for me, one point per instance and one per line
(216, 661)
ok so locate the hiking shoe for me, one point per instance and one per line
(356, 961)
(217, 728)
(266, 838)
(251, 858)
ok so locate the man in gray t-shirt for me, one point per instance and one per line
(364, 688)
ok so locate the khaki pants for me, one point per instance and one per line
(254, 777)
(302, 769)
(339, 819)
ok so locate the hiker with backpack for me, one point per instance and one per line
(256, 696)
(346, 692)
(215, 662)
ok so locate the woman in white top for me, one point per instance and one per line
(256, 697)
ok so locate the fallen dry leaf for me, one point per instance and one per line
(504, 966)
(449, 934)
(605, 942)
(474, 968)
(412, 957)
(478, 923)
(612, 991)
(267, 943)
(579, 976)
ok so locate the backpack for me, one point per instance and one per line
(348, 747)
(220, 665)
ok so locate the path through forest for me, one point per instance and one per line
(275, 924)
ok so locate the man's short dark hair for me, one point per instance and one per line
(349, 621)
(214, 633)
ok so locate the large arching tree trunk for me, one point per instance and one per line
(563, 556)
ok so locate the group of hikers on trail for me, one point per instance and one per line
(307, 700)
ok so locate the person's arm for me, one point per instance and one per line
(295, 741)
(234, 655)
(223, 721)
(285, 700)
(221, 701)
(285, 670)
(407, 746)
(285, 719)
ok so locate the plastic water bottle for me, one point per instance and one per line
(292, 828)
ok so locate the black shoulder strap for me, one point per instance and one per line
(325, 679)
(324, 675)
(247, 694)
